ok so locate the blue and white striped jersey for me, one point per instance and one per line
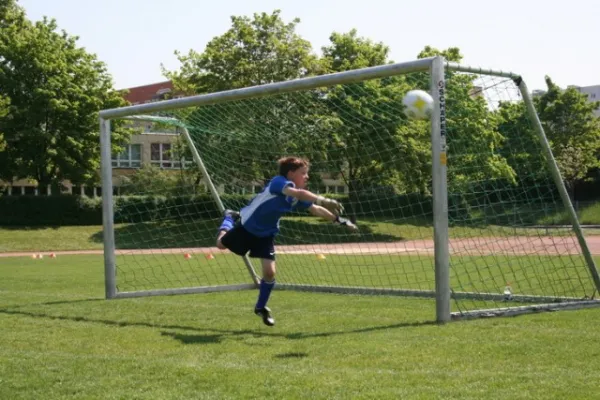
(261, 217)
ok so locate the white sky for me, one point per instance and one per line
(530, 37)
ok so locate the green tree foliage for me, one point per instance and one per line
(521, 147)
(52, 91)
(570, 126)
(254, 51)
(3, 113)
(149, 180)
(363, 118)
(350, 130)
(473, 139)
(572, 129)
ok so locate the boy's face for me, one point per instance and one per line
(299, 177)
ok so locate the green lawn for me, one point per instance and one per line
(202, 233)
(62, 340)
(529, 275)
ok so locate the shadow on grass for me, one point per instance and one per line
(291, 355)
(52, 303)
(215, 335)
(177, 234)
(194, 339)
(30, 227)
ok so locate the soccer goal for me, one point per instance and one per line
(467, 208)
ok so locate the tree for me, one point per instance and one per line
(12, 18)
(54, 91)
(473, 139)
(3, 112)
(254, 51)
(370, 121)
(521, 147)
(358, 130)
(571, 128)
(149, 180)
(348, 51)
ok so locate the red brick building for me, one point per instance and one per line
(149, 93)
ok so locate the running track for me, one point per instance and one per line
(472, 246)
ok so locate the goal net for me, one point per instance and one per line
(464, 209)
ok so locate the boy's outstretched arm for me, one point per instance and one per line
(325, 214)
(305, 195)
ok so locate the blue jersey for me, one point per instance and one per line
(261, 217)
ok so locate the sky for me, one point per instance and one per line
(531, 37)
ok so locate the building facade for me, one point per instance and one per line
(152, 146)
(593, 94)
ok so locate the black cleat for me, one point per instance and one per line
(233, 214)
(265, 314)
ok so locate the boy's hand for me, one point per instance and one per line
(347, 223)
(332, 205)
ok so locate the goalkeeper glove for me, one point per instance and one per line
(332, 205)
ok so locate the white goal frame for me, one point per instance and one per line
(436, 67)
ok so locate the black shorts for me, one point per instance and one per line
(240, 242)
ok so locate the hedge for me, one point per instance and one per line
(77, 210)
(50, 210)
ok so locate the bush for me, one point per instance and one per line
(161, 208)
(50, 210)
(76, 210)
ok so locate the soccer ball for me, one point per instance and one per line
(418, 104)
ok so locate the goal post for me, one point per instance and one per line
(108, 215)
(440, 191)
(449, 210)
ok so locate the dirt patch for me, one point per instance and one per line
(472, 246)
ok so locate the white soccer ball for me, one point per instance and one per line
(418, 104)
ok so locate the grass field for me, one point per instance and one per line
(62, 340)
(561, 276)
(176, 234)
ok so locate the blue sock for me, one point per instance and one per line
(227, 224)
(264, 293)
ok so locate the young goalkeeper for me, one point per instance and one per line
(253, 229)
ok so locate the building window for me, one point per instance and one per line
(162, 155)
(593, 96)
(131, 157)
(336, 189)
